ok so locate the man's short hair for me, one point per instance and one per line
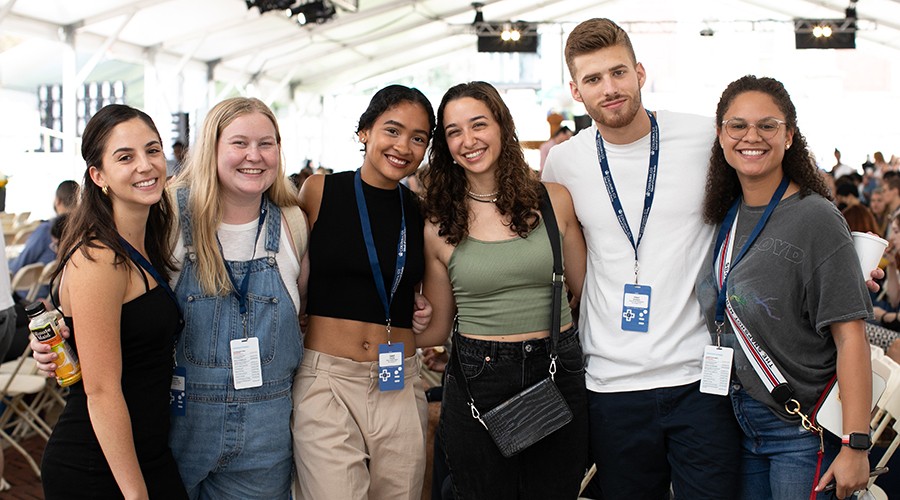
(593, 35)
(562, 130)
(847, 189)
(67, 193)
(58, 226)
(892, 182)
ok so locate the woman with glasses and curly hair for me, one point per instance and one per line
(782, 279)
(489, 261)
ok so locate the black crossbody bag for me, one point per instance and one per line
(539, 410)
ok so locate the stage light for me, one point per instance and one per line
(825, 33)
(317, 12)
(518, 36)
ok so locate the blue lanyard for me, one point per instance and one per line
(723, 233)
(241, 291)
(144, 263)
(373, 255)
(649, 192)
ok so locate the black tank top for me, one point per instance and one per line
(341, 284)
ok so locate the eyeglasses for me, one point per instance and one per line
(737, 128)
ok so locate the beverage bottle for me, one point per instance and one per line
(43, 327)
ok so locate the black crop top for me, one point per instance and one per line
(341, 284)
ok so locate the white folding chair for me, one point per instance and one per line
(27, 281)
(887, 409)
(15, 387)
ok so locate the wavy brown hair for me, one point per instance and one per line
(446, 184)
(91, 224)
(798, 164)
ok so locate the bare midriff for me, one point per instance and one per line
(356, 340)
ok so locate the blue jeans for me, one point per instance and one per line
(236, 443)
(779, 458)
(645, 441)
(551, 468)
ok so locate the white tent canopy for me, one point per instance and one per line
(184, 55)
(240, 46)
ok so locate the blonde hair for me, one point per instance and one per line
(200, 177)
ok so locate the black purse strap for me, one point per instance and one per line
(557, 279)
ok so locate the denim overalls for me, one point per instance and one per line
(236, 443)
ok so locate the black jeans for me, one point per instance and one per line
(550, 469)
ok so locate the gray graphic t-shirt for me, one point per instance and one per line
(800, 276)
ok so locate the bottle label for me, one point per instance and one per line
(66, 361)
(45, 333)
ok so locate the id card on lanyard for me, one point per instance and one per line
(246, 369)
(636, 296)
(390, 355)
(717, 360)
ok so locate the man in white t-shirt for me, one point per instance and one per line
(641, 325)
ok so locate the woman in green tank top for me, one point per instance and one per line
(489, 261)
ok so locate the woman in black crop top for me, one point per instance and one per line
(492, 265)
(112, 437)
(354, 438)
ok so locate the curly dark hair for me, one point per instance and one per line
(722, 184)
(446, 185)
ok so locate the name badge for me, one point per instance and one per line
(716, 370)
(177, 399)
(245, 364)
(390, 366)
(636, 308)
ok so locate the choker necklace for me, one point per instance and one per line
(483, 198)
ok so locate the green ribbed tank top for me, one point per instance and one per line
(503, 287)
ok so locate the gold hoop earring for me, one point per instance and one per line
(105, 190)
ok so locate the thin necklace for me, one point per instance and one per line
(483, 198)
(488, 195)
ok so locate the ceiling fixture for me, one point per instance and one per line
(827, 33)
(479, 16)
(267, 5)
(314, 12)
(305, 11)
(509, 36)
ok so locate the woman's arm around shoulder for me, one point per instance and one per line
(437, 289)
(574, 250)
(93, 291)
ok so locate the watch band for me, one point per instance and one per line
(857, 440)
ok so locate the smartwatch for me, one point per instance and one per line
(857, 440)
